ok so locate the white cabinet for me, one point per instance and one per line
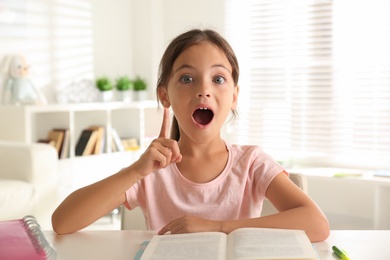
(141, 120)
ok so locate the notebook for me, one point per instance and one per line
(23, 239)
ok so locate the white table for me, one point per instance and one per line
(360, 244)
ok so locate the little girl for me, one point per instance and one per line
(195, 181)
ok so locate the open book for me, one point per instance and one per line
(244, 243)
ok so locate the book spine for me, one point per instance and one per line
(38, 239)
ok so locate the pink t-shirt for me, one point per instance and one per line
(237, 193)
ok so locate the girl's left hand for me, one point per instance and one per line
(189, 224)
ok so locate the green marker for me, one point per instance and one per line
(340, 253)
(339, 174)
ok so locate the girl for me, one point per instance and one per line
(196, 181)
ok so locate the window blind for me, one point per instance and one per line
(316, 79)
(57, 38)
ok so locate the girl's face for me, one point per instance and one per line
(201, 91)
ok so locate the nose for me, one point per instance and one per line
(204, 90)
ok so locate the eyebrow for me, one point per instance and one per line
(186, 66)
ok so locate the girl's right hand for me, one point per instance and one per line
(161, 152)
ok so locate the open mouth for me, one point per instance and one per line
(203, 115)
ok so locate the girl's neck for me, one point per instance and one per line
(202, 163)
(189, 148)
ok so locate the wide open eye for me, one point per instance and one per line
(186, 79)
(219, 80)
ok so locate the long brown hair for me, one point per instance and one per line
(181, 43)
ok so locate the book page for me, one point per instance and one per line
(262, 243)
(205, 246)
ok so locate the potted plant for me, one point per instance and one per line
(123, 87)
(140, 88)
(105, 87)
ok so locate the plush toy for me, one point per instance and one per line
(18, 89)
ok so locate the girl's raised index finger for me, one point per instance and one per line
(164, 132)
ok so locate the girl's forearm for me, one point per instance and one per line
(86, 205)
(311, 220)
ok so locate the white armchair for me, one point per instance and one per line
(28, 180)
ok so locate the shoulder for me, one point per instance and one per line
(246, 151)
(254, 157)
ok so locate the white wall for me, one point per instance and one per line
(156, 23)
(184, 15)
(112, 36)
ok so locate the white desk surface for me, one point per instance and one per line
(360, 244)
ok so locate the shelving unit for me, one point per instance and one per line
(30, 123)
(140, 120)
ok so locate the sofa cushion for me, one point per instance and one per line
(16, 199)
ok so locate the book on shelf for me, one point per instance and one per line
(24, 239)
(130, 144)
(64, 151)
(116, 141)
(47, 141)
(86, 142)
(243, 243)
(100, 140)
(57, 136)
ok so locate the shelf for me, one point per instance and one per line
(140, 120)
(53, 108)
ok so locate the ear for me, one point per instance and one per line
(163, 96)
(235, 97)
